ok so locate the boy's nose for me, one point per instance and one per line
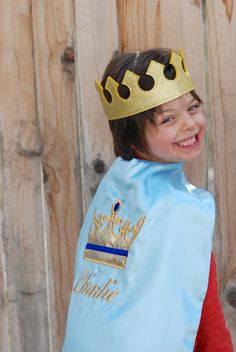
(188, 122)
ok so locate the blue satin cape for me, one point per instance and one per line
(154, 302)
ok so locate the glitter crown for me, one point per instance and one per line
(139, 100)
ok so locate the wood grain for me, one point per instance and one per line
(146, 24)
(139, 24)
(25, 302)
(4, 338)
(53, 28)
(96, 40)
(221, 24)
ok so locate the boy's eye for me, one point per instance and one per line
(194, 107)
(167, 119)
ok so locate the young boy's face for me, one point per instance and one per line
(178, 131)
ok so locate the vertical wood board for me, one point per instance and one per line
(53, 28)
(22, 231)
(221, 29)
(96, 40)
(3, 287)
(139, 24)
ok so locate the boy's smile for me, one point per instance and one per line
(177, 133)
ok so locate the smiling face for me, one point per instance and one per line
(177, 133)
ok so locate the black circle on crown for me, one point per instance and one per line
(146, 82)
(123, 91)
(107, 95)
(169, 72)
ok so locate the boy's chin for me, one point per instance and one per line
(193, 157)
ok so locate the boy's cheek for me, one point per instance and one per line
(202, 120)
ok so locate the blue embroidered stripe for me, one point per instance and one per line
(116, 251)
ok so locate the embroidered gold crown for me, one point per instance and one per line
(139, 100)
(109, 242)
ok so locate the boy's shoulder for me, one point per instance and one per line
(198, 193)
(154, 183)
(200, 196)
(197, 205)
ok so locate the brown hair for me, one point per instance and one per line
(129, 132)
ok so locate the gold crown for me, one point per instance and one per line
(140, 100)
(107, 245)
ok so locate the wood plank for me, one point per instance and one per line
(221, 24)
(146, 24)
(22, 237)
(53, 28)
(4, 338)
(96, 40)
(136, 35)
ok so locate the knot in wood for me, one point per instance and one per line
(231, 296)
(68, 60)
(99, 166)
(68, 55)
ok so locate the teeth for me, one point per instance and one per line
(187, 142)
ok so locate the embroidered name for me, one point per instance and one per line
(86, 287)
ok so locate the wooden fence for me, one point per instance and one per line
(55, 145)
